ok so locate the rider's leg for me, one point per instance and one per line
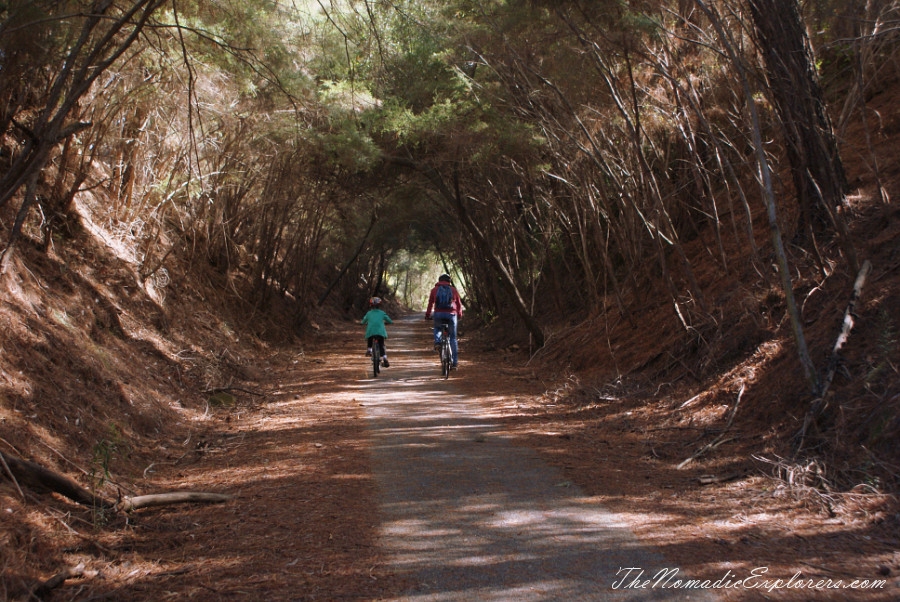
(454, 348)
(437, 322)
(369, 346)
(384, 358)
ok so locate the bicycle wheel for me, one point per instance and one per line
(376, 358)
(446, 358)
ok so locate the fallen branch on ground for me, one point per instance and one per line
(709, 479)
(38, 478)
(718, 440)
(227, 389)
(56, 580)
(165, 499)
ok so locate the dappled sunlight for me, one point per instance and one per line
(656, 213)
(467, 513)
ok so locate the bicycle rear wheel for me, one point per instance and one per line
(446, 358)
(376, 358)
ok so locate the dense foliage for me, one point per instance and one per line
(560, 158)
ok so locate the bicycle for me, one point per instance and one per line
(445, 351)
(377, 352)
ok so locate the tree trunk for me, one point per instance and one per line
(816, 166)
(768, 195)
(105, 34)
(347, 265)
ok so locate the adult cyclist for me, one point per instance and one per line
(447, 307)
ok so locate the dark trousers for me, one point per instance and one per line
(371, 343)
(439, 319)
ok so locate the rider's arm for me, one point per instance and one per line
(430, 303)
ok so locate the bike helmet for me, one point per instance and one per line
(375, 301)
(444, 278)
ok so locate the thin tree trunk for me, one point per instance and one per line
(359, 249)
(768, 195)
(811, 147)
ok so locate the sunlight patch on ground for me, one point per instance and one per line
(468, 514)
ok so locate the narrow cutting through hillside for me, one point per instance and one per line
(492, 485)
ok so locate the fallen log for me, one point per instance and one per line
(710, 479)
(39, 479)
(36, 477)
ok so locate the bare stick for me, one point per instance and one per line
(12, 476)
(718, 440)
(165, 499)
(708, 479)
(39, 478)
(845, 328)
(819, 404)
(227, 389)
(58, 579)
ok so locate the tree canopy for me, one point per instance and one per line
(563, 158)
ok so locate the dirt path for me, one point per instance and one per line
(410, 487)
(469, 515)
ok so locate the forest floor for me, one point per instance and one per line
(294, 450)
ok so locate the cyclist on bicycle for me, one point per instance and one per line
(375, 319)
(444, 300)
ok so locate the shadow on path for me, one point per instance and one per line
(469, 515)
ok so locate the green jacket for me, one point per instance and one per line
(375, 319)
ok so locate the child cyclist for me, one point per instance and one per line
(375, 319)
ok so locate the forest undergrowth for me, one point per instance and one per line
(144, 387)
(115, 380)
